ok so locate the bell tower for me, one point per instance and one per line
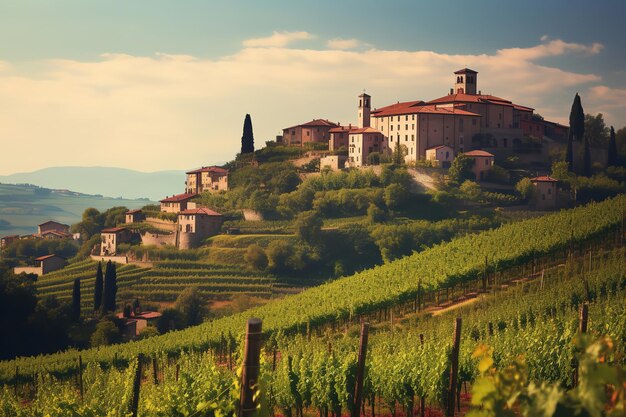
(365, 107)
(465, 81)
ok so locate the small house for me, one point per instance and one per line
(7, 240)
(483, 161)
(176, 203)
(43, 265)
(203, 179)
(112, 237)
(196, 225)
(442, 155)
(334, 162)
(135, 216)
(545, 193)
(137, 322)
(51, 225)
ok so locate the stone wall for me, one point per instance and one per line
(116, 259)
(157, 239)
(161, 224)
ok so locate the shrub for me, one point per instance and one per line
(375, 214)
(461, 169)
(106, 333)
(470, 190)
(256, 258)
(525, 188)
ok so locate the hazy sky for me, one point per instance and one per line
(156, 85)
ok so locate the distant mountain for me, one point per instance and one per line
(105, 181)
(23, 207)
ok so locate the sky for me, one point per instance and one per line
(160, 85)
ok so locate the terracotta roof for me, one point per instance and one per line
(314, 123)
(478, 152)
(133, 211)
(10, 237)
(341, 129)
(364, 130)
(471, 98)
(149, 315)
(466, 71)
(113, 230)
(56, 232)
(41, 258)
(201, 210)
(215, 169)
(178, 198)
(438, 147)
(52, 221)
(419, 107)
(522, 108)
(544, 178)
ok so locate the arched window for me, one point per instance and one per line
(461, 77)
(458, 80)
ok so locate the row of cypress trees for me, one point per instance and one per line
(105, 291)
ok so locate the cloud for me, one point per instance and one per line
(343, 44)
(277, 40)
(172, 111)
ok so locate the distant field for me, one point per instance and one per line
(22, 207)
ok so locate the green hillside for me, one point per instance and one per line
(23, 207)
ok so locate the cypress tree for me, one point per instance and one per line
(76, 300)
(577, 119)
(247, 140)
(586, 158)
(613, 155)
(110, 287)
(97, 294)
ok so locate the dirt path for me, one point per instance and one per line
(456, 305)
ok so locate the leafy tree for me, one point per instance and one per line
(255, 257)
(398, 154)
(76, 300)
(106, 333)
(278, 253)
(614, 159)
(308, 227)
(110, 287)
(98, 289)
(191, 305)
(247, 140)
(587, 169)
(171, 319)
(470, 189)
(375, 214)
(373, 158)
(525, 188)
(461, 169)
(596, 130)
(395, 196)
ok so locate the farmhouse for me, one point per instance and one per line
(197, 224)
(363, 142)
(52, 226)
(43, 265)
(317, 130)
(483, 161)
(441, 155)
(545, 193)
(112, 237)
(206, 179)
(176, 203)
(134, 216)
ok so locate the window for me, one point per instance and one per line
(391, 118)
(406, 127)
(413, 126)
(406, 138)
(486, 162)
(412, 137)
(391, 127)
(307, 133)
(413, 118)
(398, 127)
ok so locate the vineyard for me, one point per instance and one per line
(407, 365)
(457, 262)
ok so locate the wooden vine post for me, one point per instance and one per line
(583, 320)
(134, 405)
(251, 365)
(155, 371)
(80, 376)
(454, 368)
(360, 370)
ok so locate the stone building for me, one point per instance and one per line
(210, 179)
(483, 161)
(134, 216)
(317, 131)
(195, 225)
(441, 155)
(43, 265)
(363, 142)
(176, 203)
(545, 194)
(52, 226)
(112, 237)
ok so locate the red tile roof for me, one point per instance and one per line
(56, 233)
(149, 315)
(178, 198)
(466, 71)
(477, 152)
(133, 211)
(419, 107)
(201, 210)
(113, 230)
(364, 130)
(214, 169)
(52, 221)
(471, 98)
(341, 129)
(42, 258)
(522, 108)
(544, 178)
(438, 147)
(315, 123)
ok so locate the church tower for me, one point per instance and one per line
(465, 81)
(365, 107)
